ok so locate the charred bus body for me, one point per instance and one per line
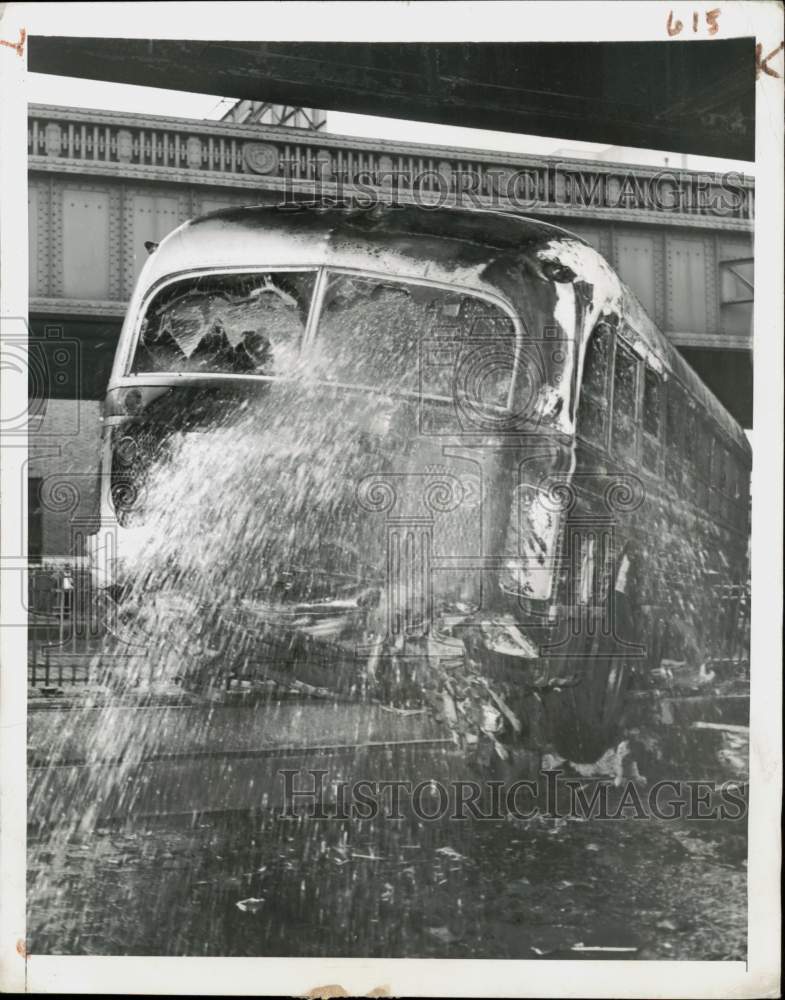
(421, 457)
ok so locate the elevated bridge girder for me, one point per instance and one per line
(686, 98)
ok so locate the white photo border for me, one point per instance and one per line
(416, 21)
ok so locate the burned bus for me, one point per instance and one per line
(438, 461)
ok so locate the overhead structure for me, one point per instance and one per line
(682, 96)
(264, 113)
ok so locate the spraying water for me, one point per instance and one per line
(260, 562)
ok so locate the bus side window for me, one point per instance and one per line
(674, 429)
(733, 486)
(689, 470)
(703, 464)
(652, 419)
(625, 399)
(719, 480)
(593, 406)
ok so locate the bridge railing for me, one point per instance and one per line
(275, 158)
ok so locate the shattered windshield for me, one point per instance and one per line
(391, 336)
(400, 336)
(247, 324)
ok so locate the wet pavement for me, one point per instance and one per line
(252, 885)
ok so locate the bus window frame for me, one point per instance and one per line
(674, 445)
(322, 271)
(705, 449)
(605, 401)
(134, 335)
(638, 359)
(654, 440)
(689, 456)
(728, 502)
(498, 301)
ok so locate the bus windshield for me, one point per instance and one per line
(247, 324)
(413, 338)
(378, 333)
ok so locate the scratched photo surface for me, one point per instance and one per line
(388, 498)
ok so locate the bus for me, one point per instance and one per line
(438, 461)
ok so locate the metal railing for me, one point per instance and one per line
(63, 628)
(120, 144)
(730, 630)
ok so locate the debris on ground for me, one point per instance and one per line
(251, 905)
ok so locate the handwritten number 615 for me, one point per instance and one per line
(676, 26)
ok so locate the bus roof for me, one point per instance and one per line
(448, 244)
(487, 227)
